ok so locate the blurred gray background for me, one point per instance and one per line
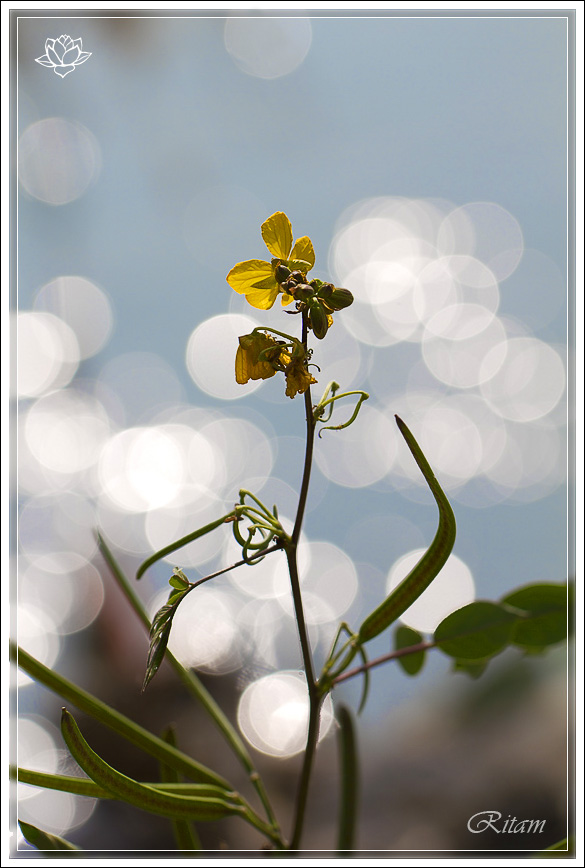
(426, 158)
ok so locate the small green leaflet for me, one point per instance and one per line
(404, 637)
(545, 619)
(160, 630)
(179, 580)
(476, 631)
(532, 618)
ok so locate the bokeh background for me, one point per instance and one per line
(426, 157)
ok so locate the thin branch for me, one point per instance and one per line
(393, 655)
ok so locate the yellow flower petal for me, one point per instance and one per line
(286, 299)
(244, 275)
(263, 299)
(303, 249)
(277, 235)
(298, 265)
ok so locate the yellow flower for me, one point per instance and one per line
(255, 278)
(258, 357)
(298, 378)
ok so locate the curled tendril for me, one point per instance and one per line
(263, 524)
(327, 404)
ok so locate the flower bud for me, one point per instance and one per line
(339, 298)
(304, 292)
(281, 273)
(325, 290)
(298, 276)
(319, 319)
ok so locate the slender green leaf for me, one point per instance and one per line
(87, 787)
(545, 620)
(118, 722)
(178, 544)
(185, 833)
(43, 840)
(404, 637)
(476, 631)
(141, 796)
(348, 761)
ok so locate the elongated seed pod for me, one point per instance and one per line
(140, 795)
(421, 576)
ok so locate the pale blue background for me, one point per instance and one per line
(462, 108)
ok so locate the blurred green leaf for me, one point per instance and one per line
(185, 833)
(476, 631)
(473, 668)
(545, 621)
(404, 637)
(43, 840)
(349, 781)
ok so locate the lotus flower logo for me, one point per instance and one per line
(63, 54)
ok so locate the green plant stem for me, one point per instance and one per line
(307, 467)
(315, 697)
(291, 556)
(193, 684)
(303, 789)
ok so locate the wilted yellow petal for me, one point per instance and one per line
(298, 379)
(244, 275)
(250, 363)
(242, 375)
(303, 249)
(277, 235)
